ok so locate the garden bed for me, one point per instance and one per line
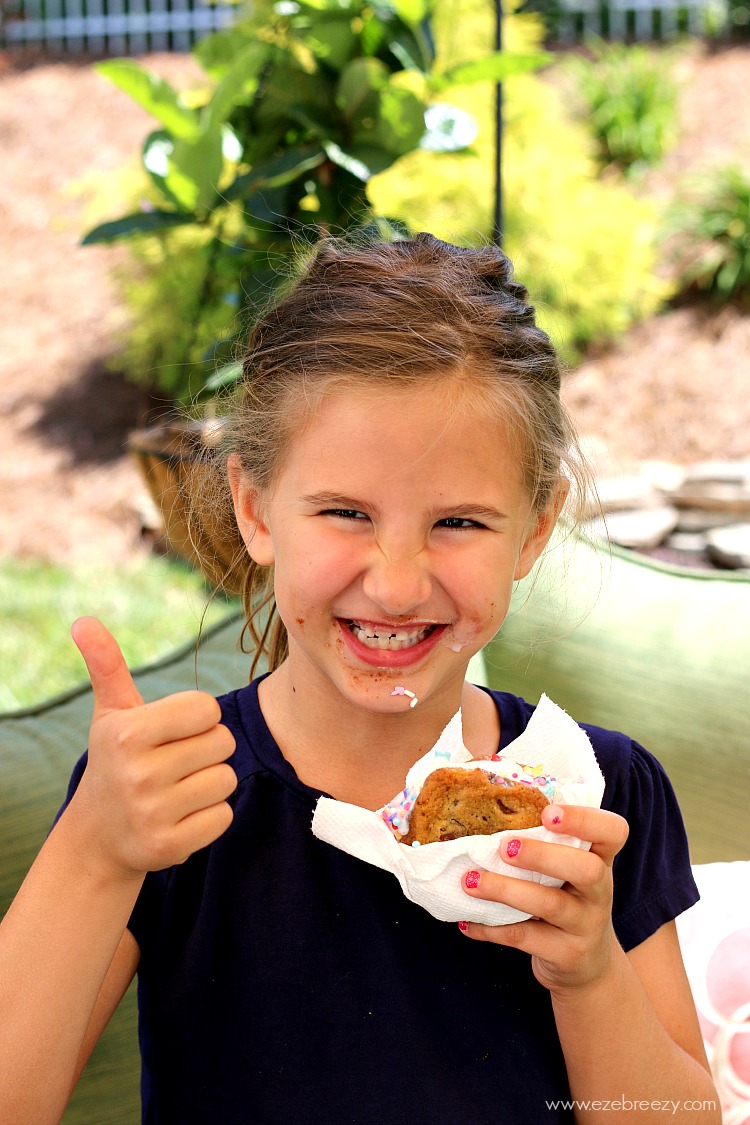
(674, 388)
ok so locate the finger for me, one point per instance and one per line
(114, 689)
(556, 906)
(582, 869)
(189, 755)
(204, 789)
(605, 831)
(530, 936)
(201, 829)
(184, 715)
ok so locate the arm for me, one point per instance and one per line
(627, 1024)
(644, 1043)
(153, 792)
(57, 942)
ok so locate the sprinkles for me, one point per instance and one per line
(405, 691)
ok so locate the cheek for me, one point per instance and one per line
(312, 576)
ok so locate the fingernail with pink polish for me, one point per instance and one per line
(512, 848)
(471, 879)
(463, 927)
(558, 815)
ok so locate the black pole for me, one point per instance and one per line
(497, 225)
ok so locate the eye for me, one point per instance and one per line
(345, 513)
(459, 523)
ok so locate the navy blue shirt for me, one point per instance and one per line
(284, 982)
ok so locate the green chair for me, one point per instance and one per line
(658, 652)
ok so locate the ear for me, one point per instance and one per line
(541, 528)
(249, 514)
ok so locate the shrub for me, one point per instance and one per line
(585, 248)
(629, 99)
(304, 101)
(708, 234)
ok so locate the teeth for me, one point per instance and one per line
(392, 640)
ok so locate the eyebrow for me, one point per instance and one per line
(333, 500)
(463, 511)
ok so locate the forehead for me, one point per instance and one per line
(399, 436)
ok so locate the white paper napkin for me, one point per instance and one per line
(431, 875)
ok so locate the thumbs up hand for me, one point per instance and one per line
(157, 781)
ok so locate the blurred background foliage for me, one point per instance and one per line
(151, 606)
(585, 245)
(598, 250)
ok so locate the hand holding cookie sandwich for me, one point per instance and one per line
(456, 814)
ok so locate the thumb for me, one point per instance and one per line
(114, 689)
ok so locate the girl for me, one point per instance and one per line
(399, 460)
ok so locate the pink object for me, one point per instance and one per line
(512, 848)
(715, 939)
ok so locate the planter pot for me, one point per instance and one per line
(175, 459)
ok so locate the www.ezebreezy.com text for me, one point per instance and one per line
(630, 1105)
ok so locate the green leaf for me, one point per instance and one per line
(332, 41)
(494, 68)
(277, 172)
(226, 376)
(400, 122)
(412, 12)
(360, 79)
(239, 83)
(357, 167)
(142, 222)
(153, 94)
(217, 52)
(187, 172)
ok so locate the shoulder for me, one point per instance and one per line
(615, 752)
(241, 713)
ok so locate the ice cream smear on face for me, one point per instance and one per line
(457, 639)
(409, 694)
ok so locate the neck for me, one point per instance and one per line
(362, 756)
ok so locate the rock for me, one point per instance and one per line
(692, 520)
(730, 472)
(665, 476)
(690, 543)
(718, 486)
(642, 529)
(684, 548)
(715, 495)
(730, 546)
(626, 493)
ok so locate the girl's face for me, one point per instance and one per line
(397, 526)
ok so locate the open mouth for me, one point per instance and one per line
(387, 638)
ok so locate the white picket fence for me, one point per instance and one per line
(118, 27)
(109, 27)
(642, 20)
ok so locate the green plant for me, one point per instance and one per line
(305, 101)
(584, 247)
(707, 233)
(629, 97)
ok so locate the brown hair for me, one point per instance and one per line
(396, 314)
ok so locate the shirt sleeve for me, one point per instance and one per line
(653, 878)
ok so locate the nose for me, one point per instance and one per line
(399, 583)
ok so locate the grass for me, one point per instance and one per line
(151, 607)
